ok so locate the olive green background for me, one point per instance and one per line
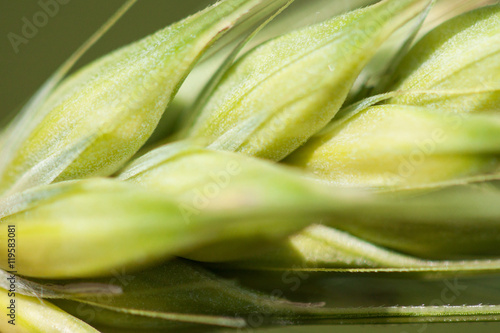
(23, 72)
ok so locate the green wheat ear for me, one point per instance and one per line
(350, 195)
(397, 147)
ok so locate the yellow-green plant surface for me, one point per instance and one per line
(340, 172)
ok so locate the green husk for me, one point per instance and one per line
(38, 315)
(459, 231)
(282, 92)
(66, 227)
(95, 120)
(298, 15)
(319, 248)
(462, 53)
(217, 214)
(226, 181)
(394, 147)
(174, 170)
(203, 78)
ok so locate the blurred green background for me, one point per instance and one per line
(23, 72)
